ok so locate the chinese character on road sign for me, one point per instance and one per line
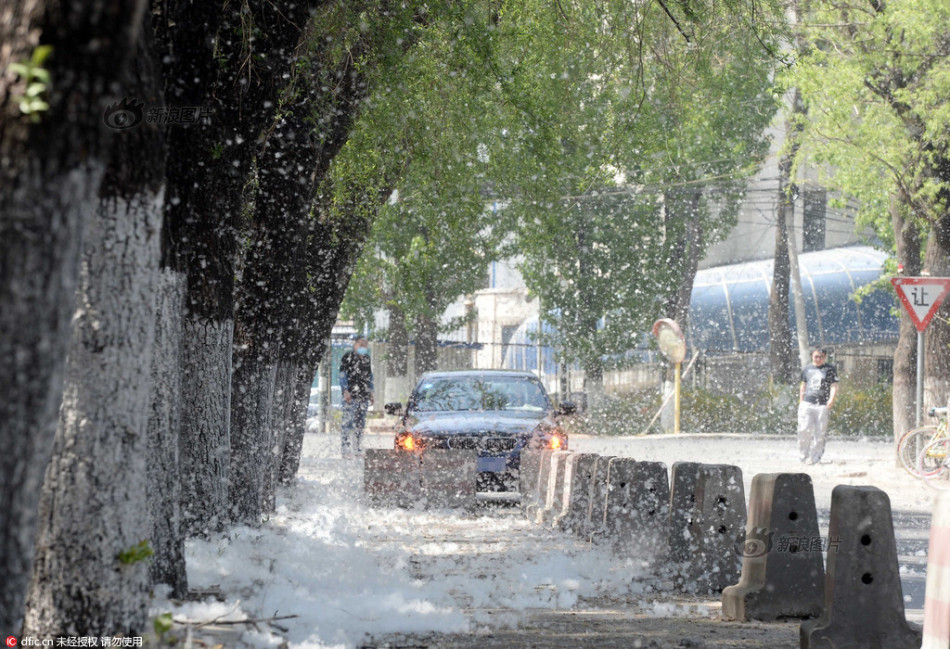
(921, 296)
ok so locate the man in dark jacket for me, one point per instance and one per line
(356, 383)
(816, 395)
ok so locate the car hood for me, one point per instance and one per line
(474, 422)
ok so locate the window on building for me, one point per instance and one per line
(507, 333)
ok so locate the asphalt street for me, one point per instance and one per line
(672, 620)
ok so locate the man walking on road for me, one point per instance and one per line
(356, 383)
(816, 395)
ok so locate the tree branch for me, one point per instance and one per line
(673, 18)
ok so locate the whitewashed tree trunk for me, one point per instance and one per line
(252, 436)
(164, 473)
(51, 164)
(87, 579)
(39, 264)
(285, 389)
(296, 424)
(205, 428)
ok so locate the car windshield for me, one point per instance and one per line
(507, 393)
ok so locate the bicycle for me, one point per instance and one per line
(934, 464)
(912, 445)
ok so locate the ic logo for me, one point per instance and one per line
(124, 115)
(11, 641)
(758, 545)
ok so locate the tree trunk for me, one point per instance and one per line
(787, 187)
(270, 308)
(598, 408)
(269, 289)
(907, 240)
(427, 345)
(81, 586)
(204, 443)
(199, 242)
(781, 352)
(397, 348)
(51, 165)
(164, 466)
(937, 261)
(687, 253)
(254, 383)
(398, 380)
(206, 208)
(283, 406)
(937, 347)
(313, 243)
(95, 581)
(185, 34)
(95, 584)
(294, 423)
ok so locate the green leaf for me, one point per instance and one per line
(40, 54)
(163, 624)
(139, 552)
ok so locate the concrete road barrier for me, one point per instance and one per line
(621, 473)
(682, 546)
(782, 570)
(638, 509)
(709, 499)
(528, 476)
(555, 487)
(594, 526)
(864, 605)
(448, 478)
(393, 479)
(937, 596)
(577, 498)
(562, 489)
(544, 470)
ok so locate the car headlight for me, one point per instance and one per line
(557, 443)
(407, 442)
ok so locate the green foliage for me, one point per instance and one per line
(36, 80)
(623, 414)
(163, 624)
(861, 412)
(622, 133)
(433, 240)
(864, 412)
(770, 411)
(139, 552)
(599, 131)
(875, 79)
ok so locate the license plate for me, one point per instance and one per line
(490, 464)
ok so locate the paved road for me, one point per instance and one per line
(649, 620)
(663, 619)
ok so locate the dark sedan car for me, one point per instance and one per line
(496, 412)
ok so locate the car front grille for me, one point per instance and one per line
(462, 443)
(499, 444)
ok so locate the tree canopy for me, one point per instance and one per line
(874, 78)
(603, 130)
